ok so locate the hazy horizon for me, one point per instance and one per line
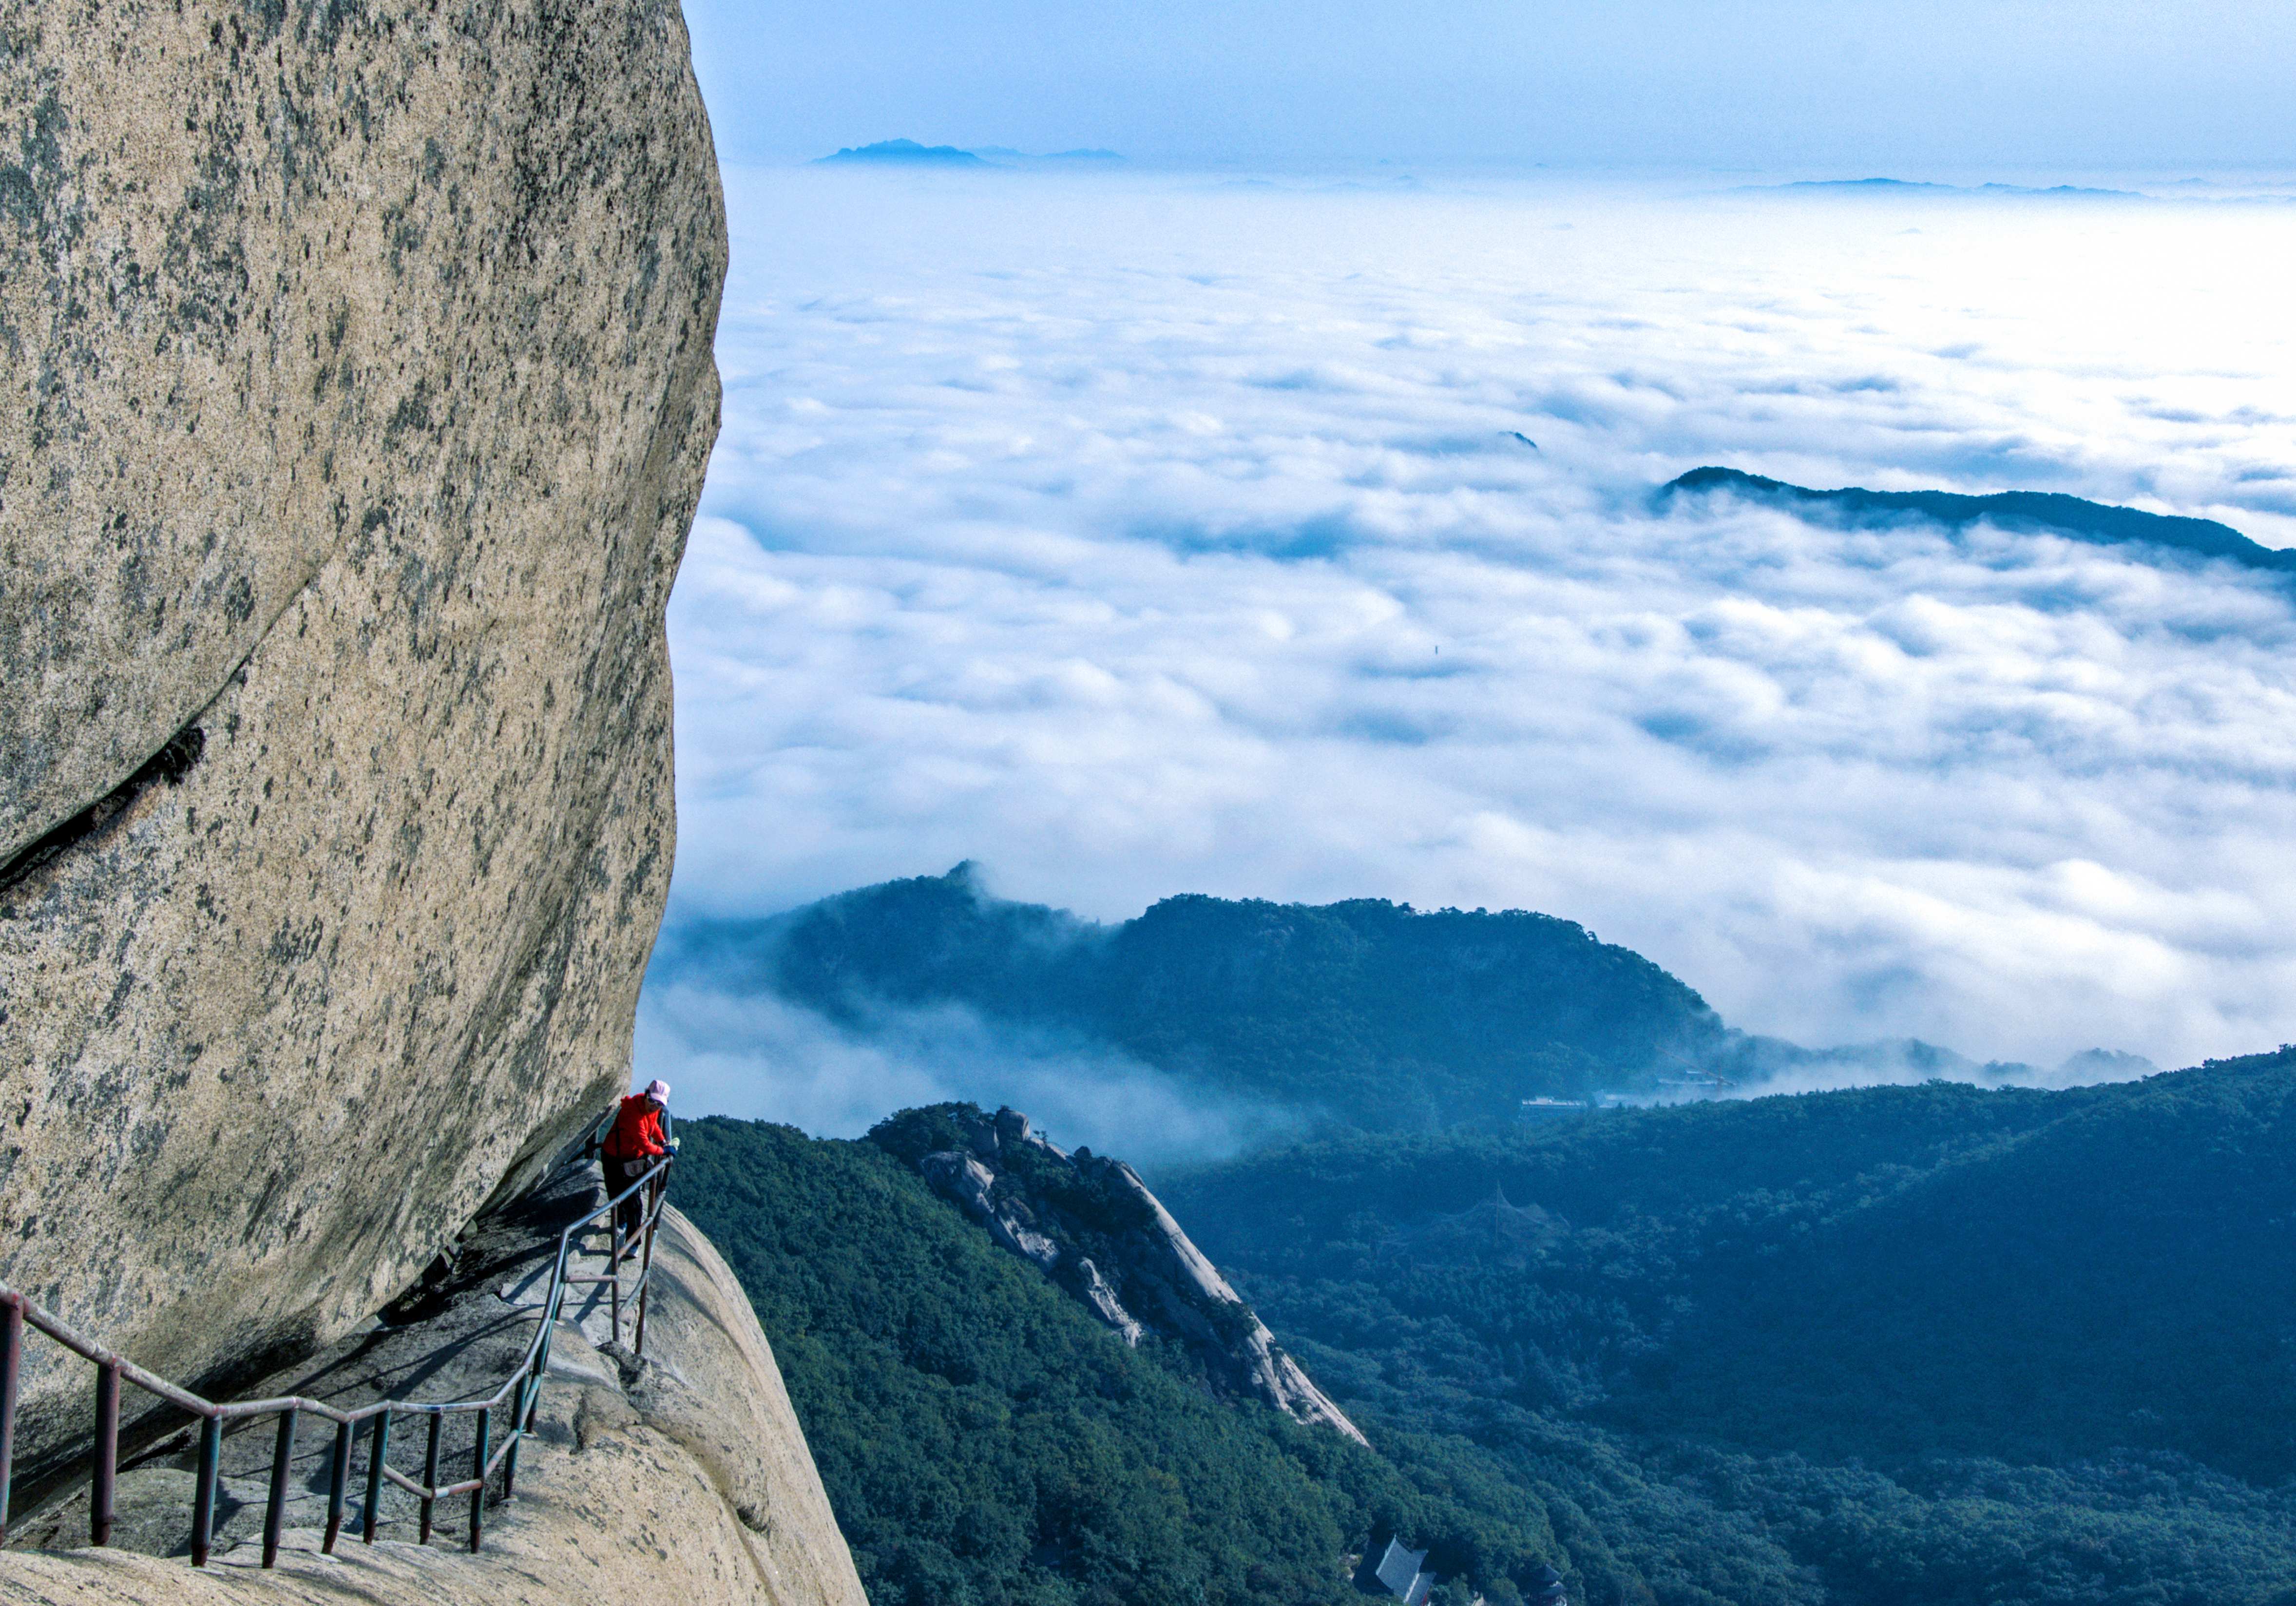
(2028, 86)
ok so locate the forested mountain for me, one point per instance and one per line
(1863, 1348)
(1934, 1343)
(1364, 1014)
(984, 1440)
(1366, 1011)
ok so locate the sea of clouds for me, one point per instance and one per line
(1136, 534)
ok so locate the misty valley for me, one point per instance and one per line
(1599, 1297)
(1855, 614)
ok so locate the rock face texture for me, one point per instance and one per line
(1091, 1226)
(711, 1384)
(359, 392)
(680, 1477)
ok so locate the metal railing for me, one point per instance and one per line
(522, 1390)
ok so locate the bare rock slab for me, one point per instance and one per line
(359, 391)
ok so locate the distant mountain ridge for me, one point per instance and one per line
(1365, 1011)
(908, 152)
(897, 153)
(1363, 1014)
(1900, 186)
(2098, 523)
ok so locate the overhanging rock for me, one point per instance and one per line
(361, 387)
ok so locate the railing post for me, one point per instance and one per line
(275, 1514)
(378, 1445)
(203, 1499)
(479, 1472)
(106, 1453)
(645, 1266)
(517, 1434)
(11, 1353)
(430, 1476)
(614, 1300)
(339, 1477)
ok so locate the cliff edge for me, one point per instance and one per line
(1089, 1222)
(360, 390)
(681, 1475)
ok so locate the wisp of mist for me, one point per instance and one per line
(759, 1056)
(1147, 533)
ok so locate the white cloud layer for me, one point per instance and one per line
(1145, 535)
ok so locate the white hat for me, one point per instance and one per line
(658, 1091)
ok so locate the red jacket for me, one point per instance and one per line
(636, 1133)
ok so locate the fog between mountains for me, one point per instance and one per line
(763, 1058)
(1148, 534)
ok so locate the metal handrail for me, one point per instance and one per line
(524, 1386)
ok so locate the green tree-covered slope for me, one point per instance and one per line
(1897, 1344)
(985, 1441)
(1367, 1013)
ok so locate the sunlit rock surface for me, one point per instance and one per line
(683, 1476)
(1091, 1224)
(360, 390)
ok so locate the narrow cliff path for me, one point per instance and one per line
(683, 1476)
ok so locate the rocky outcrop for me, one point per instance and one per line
(360, 390)
(680, 1477)
(711, 1384)
(1091, 1226)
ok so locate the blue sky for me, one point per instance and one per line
(2071, 86)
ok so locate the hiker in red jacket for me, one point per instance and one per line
(634, 1142)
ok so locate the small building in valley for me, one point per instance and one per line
(1547, 1109)
(1393, 1572)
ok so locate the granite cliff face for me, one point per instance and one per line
(360, 387)
(1091, 1226)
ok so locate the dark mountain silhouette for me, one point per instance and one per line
(1367, 1013)
(1908, 186)
(1364, 1013)
(899, 152)
(2045, 511)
